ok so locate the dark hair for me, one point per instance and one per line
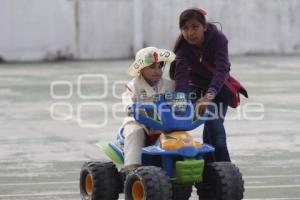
(192, 13)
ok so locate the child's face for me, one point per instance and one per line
(193, 32)
(153, 72)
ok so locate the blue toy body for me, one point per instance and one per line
(171, 164)
(169, 112)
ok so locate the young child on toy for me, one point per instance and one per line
(147, 70)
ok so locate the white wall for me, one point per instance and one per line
(268, 26)
(252, 27)
(36, 29)
(105, 29)
(93, 29)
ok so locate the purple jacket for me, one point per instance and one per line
(189, 72)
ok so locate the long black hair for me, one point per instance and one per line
(192, 13)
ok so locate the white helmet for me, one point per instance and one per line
(148, 56)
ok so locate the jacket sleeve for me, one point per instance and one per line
(221, 64)
(128, 97)
(181, 72)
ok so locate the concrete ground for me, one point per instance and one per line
(50, 122)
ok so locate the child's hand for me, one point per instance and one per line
(128, 111)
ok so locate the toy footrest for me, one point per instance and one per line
(189, 171)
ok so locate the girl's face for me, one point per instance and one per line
(153, 72)
(193, 32)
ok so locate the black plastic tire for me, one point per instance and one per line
(181, 191)
(152, 183)
(221, 181)
(99, 180)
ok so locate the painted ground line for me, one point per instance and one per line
(272, 176)
(39, 183)
(77, 193)
(271, 186)
(75, 182)
(275, 198)
(39, 194)
(245, 177)
(2, 174)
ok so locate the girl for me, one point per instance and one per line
(201, 43)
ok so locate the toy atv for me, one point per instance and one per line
(171, 166)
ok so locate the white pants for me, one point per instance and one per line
(135, 139)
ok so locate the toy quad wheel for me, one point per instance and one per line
(99, 180)
(148, 182)
(221, 181)
(181, 191)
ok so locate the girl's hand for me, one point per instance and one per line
(202, 103)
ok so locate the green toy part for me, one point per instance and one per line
(188, 171)
(111, 153)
